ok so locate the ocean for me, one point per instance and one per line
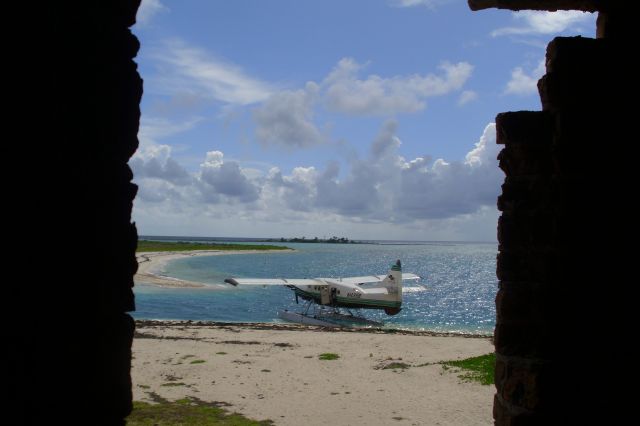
(460, 280)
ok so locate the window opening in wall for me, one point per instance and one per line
(355, 134)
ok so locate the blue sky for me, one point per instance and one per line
(370, 119)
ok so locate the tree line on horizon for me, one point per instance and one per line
(332, 240)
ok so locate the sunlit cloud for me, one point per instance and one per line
(413, 3)
(540, 22)
(466, 97)
(347, 92)
(147, 10)
(523, 83)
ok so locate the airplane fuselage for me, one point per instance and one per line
(336, 293)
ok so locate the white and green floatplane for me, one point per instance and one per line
(328, 295)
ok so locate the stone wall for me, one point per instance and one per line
(71, 237)
(561, 318)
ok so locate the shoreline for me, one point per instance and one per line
(286, 326)
(151, 263)
(276, 373)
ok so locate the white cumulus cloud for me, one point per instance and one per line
(523, 83)
(221, 180)
(386, 187)
(156, 162)
(154, 169)
(296, 191)
(449, 189)
(346, 92)
(286, 119)
(441, 197)
(540, 22)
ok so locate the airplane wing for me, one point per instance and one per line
(307, 281)
(272, 281)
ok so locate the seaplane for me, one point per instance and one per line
(327, 296)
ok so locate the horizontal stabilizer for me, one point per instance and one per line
(372, 279)
(415, 289)
(360, 280)
(410, 277)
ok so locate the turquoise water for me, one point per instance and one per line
(460, 280)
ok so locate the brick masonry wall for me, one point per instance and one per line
(559, 263)
(68, 332)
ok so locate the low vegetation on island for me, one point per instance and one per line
(148, 246)
(332, 240)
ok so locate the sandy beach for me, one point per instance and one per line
(151, 264)
(272, 371)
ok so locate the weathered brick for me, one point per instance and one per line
(572, 56)
(558, 93)
(542, 265)
(525, 339)
(525, 193)
(525, 302)
(524, 229)
(524, 128)
(525, 160)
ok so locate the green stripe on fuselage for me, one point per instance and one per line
(354, 301)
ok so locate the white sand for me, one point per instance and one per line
(151, 265)
(274, 373)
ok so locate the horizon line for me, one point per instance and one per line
(277, 238)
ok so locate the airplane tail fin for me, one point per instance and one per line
(393, 283)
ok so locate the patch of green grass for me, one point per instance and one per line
(187, 412)
(145, 246)
(169, 384)
(477, 369)
(328, 356)
(197, 361)
(221, 353)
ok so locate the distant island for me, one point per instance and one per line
(154, 246)
(332, 240)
